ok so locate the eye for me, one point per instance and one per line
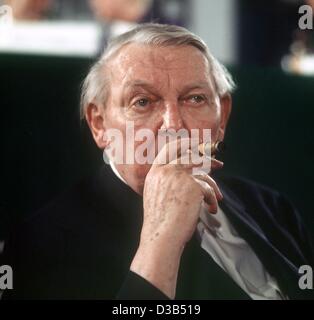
(143, 102)
(196, 99)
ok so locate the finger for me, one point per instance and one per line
(209, 195)
(207, 166)
(174, 149)
(211, 163)
(210, 181)
(187, 162)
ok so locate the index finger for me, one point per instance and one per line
(174, 149)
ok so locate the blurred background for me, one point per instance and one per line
(47, 47)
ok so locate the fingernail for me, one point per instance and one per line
(218, 162)
(211, 212)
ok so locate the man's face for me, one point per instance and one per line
(161, 88)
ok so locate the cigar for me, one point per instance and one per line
(208, 149)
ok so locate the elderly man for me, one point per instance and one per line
(160, 228)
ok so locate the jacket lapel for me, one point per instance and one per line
(200, 277)
(276, 263)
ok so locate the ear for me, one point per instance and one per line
(225, 106)
(95, 117)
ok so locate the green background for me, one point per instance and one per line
(45, 148)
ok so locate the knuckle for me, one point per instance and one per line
(210, 189)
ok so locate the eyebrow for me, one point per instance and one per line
(139, 83)
(149, 86)
(196, 85)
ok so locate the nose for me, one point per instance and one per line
(172, 118)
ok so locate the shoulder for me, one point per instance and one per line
(272, 210)
(53, 250)
(251, 193)
(48, 229)
(259, 199)
(73, 210)
(242, 184)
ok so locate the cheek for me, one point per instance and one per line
(209, 121)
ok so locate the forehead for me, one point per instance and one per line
(155, 64)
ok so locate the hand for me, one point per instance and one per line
(172, 200)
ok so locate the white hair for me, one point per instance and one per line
(96, 85)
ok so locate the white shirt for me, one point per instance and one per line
(233, 254)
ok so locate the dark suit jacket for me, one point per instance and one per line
(81, 245)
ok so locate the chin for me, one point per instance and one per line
(135, 176)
